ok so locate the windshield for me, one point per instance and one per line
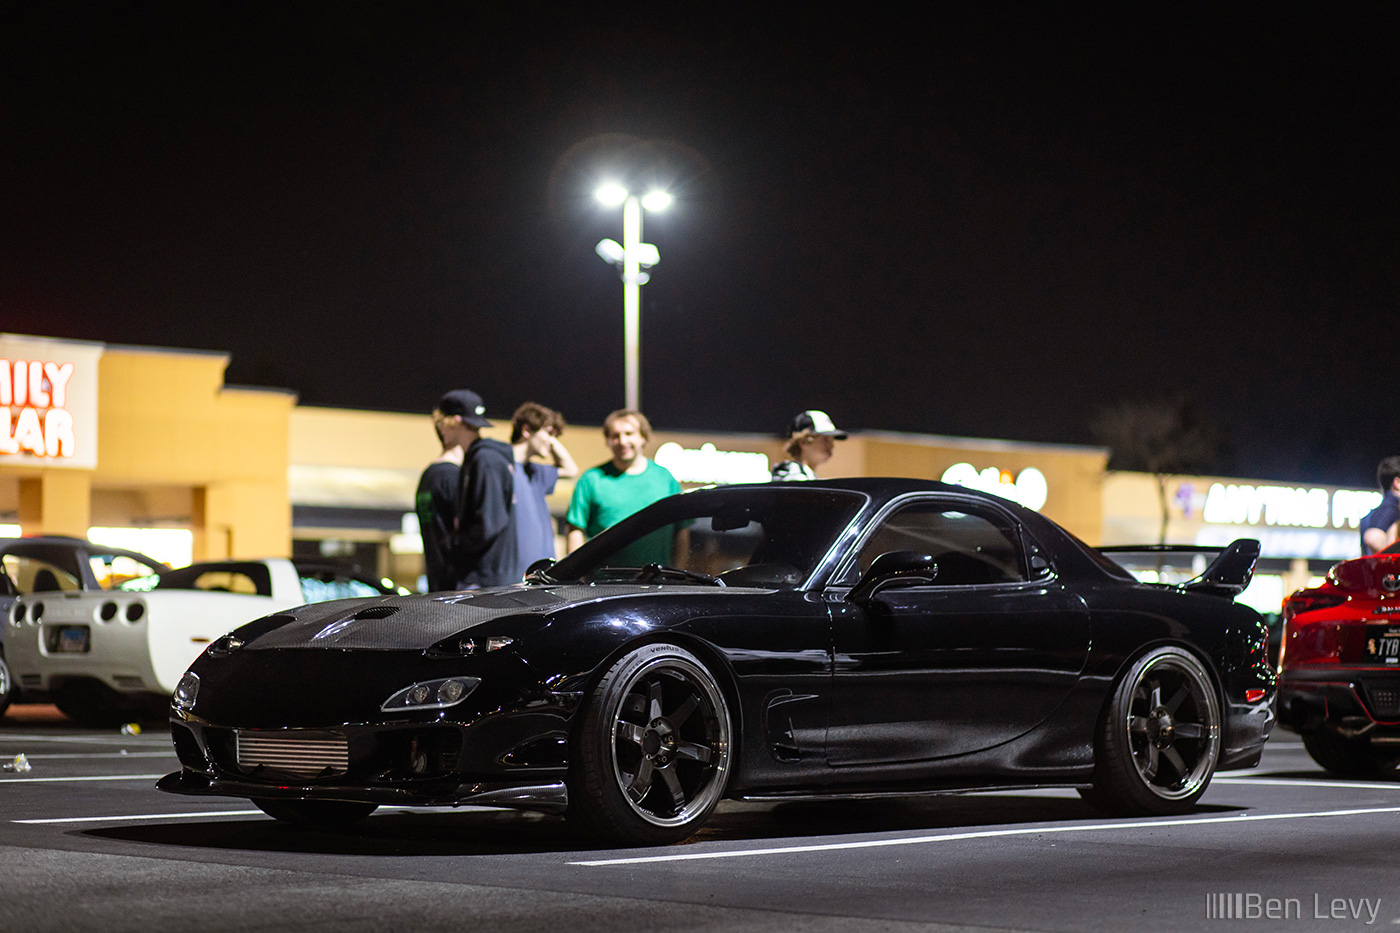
(765, 536)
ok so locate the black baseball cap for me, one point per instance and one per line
(467, 405)
(818, 422)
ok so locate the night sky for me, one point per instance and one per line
(984, 220)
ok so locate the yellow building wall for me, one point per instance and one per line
(175, 448)
(167, 419)
(1074, 475)
(371, 440)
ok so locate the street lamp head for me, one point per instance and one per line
(611, 194)
(612, 251)
(656, 200)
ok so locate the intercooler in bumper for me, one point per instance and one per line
(414, 764)
(295, 753)
(276, 756)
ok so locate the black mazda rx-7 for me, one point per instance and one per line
(789, 640)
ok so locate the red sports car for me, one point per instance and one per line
(1339, 685)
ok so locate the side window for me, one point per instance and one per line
(112, 570)
(970, 548)
(31, 575)
(227, 581)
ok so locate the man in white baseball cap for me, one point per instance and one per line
(811, 441)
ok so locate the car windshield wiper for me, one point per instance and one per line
(652, 571)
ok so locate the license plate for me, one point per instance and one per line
(71, 639)
(1383, 644)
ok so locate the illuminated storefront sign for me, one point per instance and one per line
(38, 389)
(710, 465)
(1288, 506)
(48, 395)
(1028, 487)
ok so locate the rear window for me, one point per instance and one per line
(35, 575)
(249, 579)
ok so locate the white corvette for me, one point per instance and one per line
(107, 657)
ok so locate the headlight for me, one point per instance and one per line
(431, 694)
(186, 691)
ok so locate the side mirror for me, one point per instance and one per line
(539, 567)
(894, 568)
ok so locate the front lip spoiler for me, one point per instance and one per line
(543, 798)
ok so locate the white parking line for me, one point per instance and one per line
(1307, 782)
(144, 816)
(94, 777)
(115, 738)
(984, 834)
(83, 756)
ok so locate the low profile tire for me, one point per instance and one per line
(7, 686)
(318, 814)
(94, 704)
(651, 755)
(1344, 757)
(1159, 737)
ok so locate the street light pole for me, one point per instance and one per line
(632, 301)
(632, 256)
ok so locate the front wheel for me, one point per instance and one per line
(652, 753)
(317, 814)
(1159, 737)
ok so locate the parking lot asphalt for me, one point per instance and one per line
(87, 843)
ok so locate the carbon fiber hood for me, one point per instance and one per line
(414, 622)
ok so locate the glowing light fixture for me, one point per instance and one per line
(631, 256)
(611, 194)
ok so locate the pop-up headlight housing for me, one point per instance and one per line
(466, 644)
(248, 632)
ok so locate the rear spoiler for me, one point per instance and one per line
(1227, 575)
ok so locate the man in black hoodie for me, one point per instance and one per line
(483, 547)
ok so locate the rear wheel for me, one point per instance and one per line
(7, 686)
(94, 704)
(652, 753)
(1344, 757)
(1159, 737)
(320, 814)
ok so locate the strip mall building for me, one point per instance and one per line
(150, 449)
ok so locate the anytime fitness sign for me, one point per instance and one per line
(48, 402)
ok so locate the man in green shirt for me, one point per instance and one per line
(610, 492)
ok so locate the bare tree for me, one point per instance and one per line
(1164, 437)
